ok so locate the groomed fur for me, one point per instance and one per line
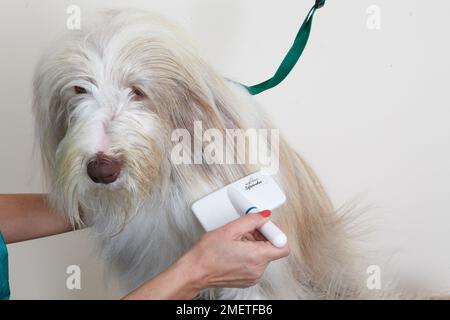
(143, 221)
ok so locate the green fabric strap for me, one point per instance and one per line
(4, 281)
(292, 56)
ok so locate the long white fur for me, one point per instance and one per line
(143, 221)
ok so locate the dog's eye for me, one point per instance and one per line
(138, 94)
(79, 90)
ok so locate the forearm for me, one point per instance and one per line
(179, 282)
(27, 216)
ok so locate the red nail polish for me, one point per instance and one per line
(265, 213)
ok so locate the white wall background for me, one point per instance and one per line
(369, 109)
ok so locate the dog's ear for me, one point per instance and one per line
(50, 128)
(48, 115)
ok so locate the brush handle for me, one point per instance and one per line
(273, 234)
(244, 206)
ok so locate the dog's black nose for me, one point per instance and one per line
(103, 169)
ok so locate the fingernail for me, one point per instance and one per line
(265, 213)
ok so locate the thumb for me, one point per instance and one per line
(247, 223)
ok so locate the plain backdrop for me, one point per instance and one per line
(368, 108)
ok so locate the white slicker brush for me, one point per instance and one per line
(252, 193)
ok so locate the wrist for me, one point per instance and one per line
(193, 272)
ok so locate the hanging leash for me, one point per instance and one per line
(292, 56)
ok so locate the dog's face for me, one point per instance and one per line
(106, 100)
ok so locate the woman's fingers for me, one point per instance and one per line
(254, 235)
(270, 252)
(258, 236)
(245, 224)
(246, 228)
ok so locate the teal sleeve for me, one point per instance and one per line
(4, 276)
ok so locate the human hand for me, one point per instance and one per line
(235, 255)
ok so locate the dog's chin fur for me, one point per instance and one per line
(143, 221)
